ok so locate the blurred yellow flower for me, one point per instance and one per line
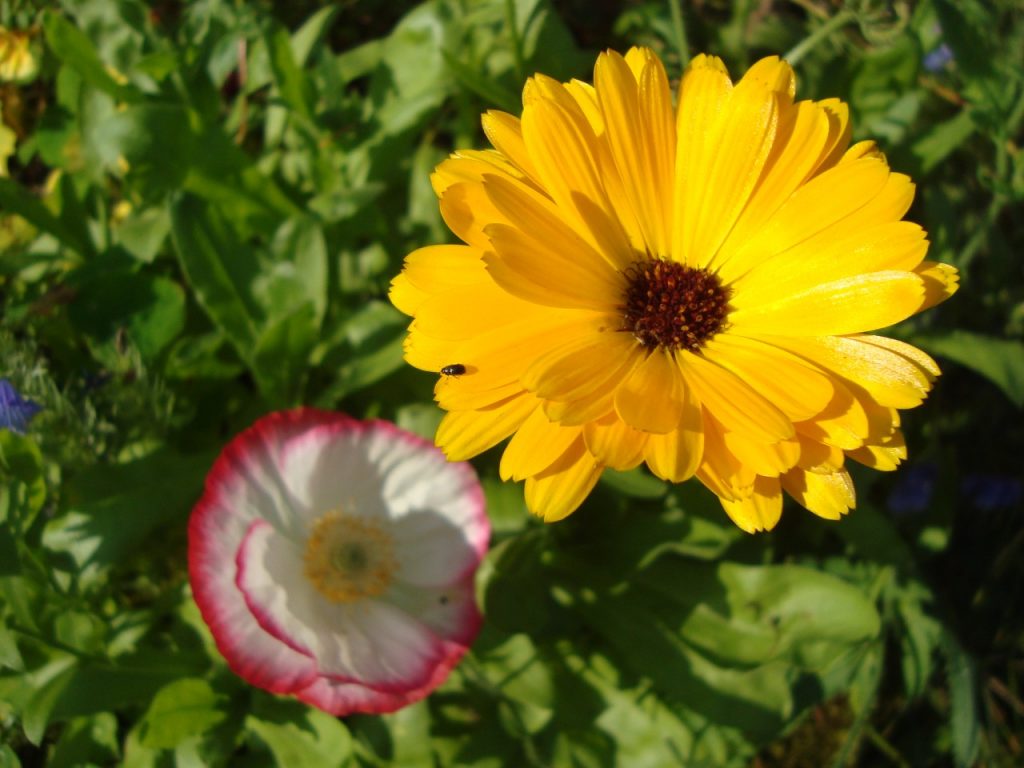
(17, 63)
(686, 285)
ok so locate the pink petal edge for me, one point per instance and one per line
(249, 650)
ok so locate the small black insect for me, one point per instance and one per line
(455, 369)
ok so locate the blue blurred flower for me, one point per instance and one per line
(990, 492)
(913, 490)
(938, 59)
(15, 411)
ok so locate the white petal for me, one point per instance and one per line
(249, 650)
(367, 642)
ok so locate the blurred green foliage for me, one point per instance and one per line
(202, 206)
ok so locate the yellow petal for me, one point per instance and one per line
(504, 131)
(637, 115)
(940, 282)
(675, 456)
(563, 148)
(915, 355)
(536, 445)
(843, 423)
(767, 459)
(703, 92)
(761, 510)
(586, 96)
(723, 176)
(840, 130)
(849, 305)
(595, 357)
(460, 314)
(556, 492)
(775, 74)
(720, 471)
(464, 434)
(889, 377)
(795, 388)
(614, 443)
(497, 357)
(829, 496)
(897, 245)
(583, 409)
(733, 402)
(527, 268)
(816, 207)
(818, 457)
(799, 140)
(470, 165)
(651, 398)
(437, 268)
(549, 256)
(467, 210)
(406, 297)
(885, 456)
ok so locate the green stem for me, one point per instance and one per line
(517, 43)
(882, 745)
(804, 47)
(679, 30)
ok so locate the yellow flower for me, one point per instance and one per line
(17, 63)
(684, 285)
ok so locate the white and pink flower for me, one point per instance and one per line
(333, 559)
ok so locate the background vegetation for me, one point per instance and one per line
(202, 205)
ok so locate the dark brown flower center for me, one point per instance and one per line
(673, 306)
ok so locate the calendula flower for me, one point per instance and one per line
(686, 283)
(333, 560)
(17, 63)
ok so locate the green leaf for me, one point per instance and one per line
(23, 491)
(514, 585)
(919, 637)
(410, 736)
(157, 142)
(965, 34)
(942, 140)
(1001, 361)
(87, 741)
(965, 721)
(802, 613)
(72, 47)
(294, 86)
(312, 31)
(48, 685)
(103, 524)
(17, 200)
(10, 564)
(220, 269)
(150, 310)
(8, 757)
(181, 709)
(299, 736)
(281, 354)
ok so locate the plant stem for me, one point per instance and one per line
(679, 30)
(804, 47)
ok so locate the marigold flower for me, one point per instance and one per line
(333, 560)
(683, 284)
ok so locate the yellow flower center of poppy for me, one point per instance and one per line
(671, 305)
(349, 558)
